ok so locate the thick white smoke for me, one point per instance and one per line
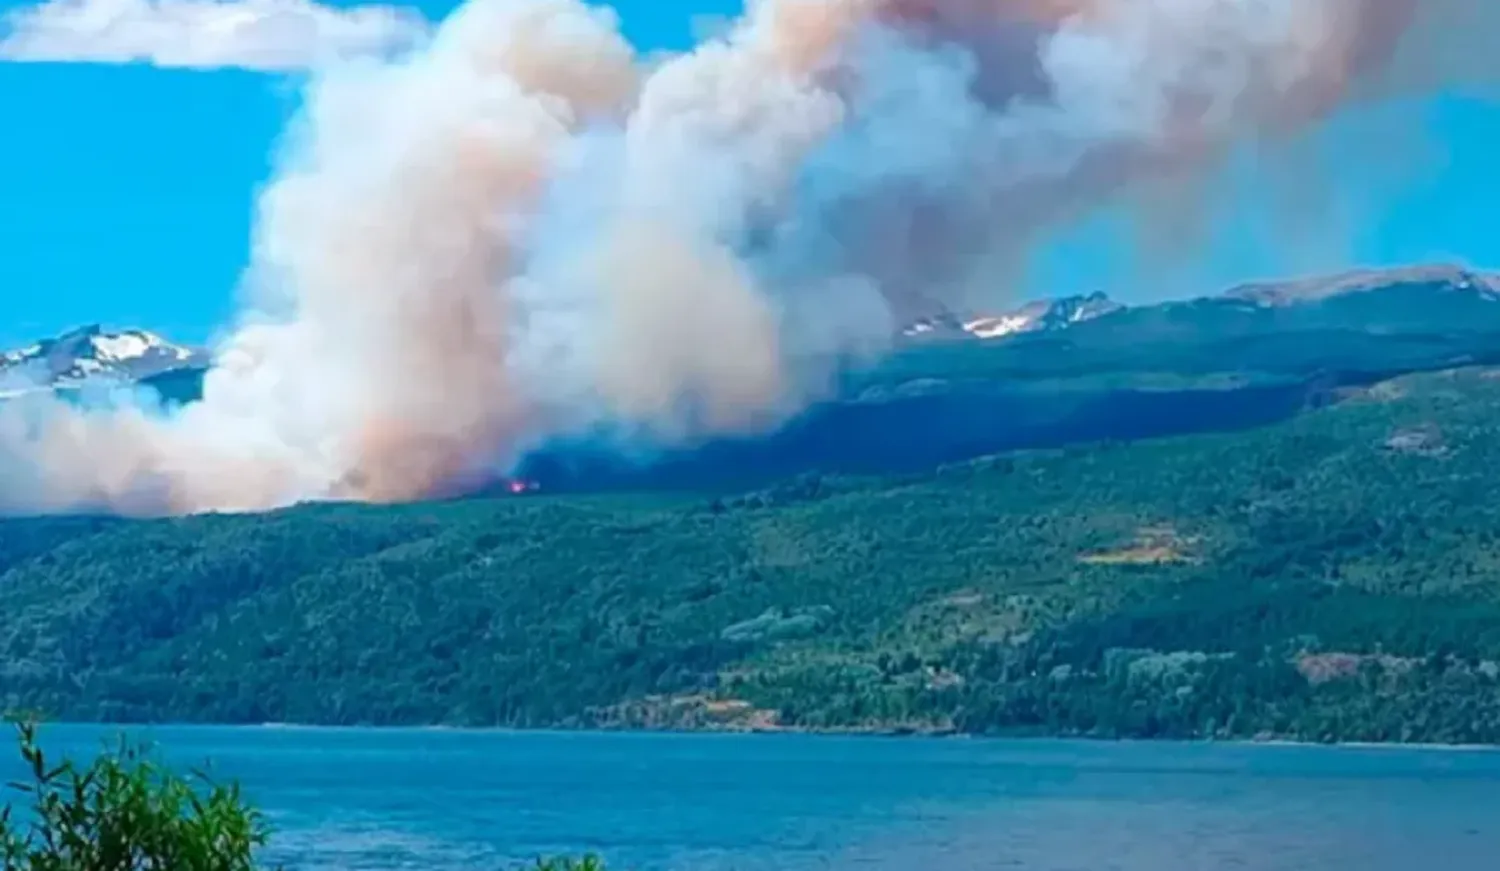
(524, 229)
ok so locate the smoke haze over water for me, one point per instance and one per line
(525, 229)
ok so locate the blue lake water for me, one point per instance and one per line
(461, 801)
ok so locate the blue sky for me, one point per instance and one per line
(126, 191)
(1404, 182)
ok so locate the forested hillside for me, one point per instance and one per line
(1334, 576)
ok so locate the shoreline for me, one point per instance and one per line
(859, 733)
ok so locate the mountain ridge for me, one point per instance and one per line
(88, 355)
(85, 352)
(1084, 370)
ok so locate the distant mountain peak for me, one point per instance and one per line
(1441, 281)
(1319, 288)
(1041, 315)
(92, 353)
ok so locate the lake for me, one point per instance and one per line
(460, 801)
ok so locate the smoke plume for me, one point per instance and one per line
(524, 229)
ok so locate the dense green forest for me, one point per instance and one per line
(1332, 577)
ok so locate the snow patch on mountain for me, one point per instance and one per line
(1005, 325)
(1436, 276)
(92, 355)
(1038, 316)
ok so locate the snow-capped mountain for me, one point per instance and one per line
(93, 355)
(1038, 316)
(1426, 299)
(1042, 315)
(1439, 295)
(1424, 278)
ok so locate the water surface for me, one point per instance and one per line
(459, 801)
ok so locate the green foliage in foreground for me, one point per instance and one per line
(127, 812)
(1334, 577)
(124, 812)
